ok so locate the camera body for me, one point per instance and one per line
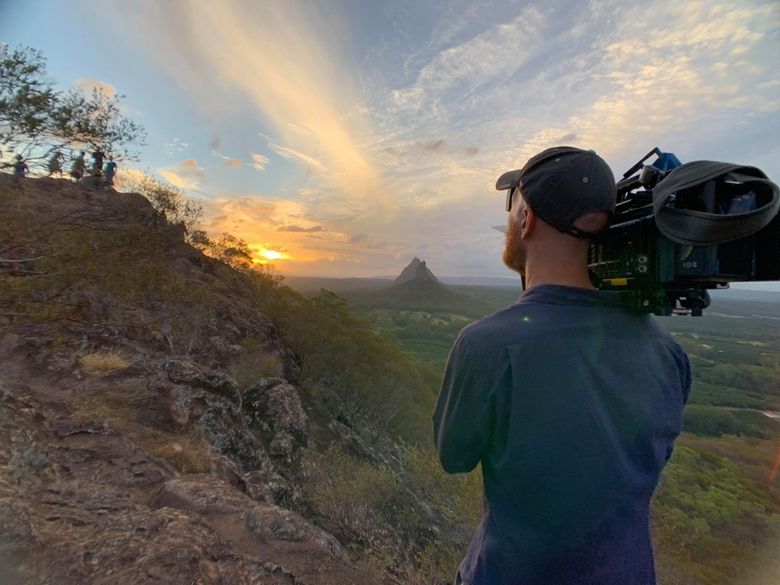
(662, 276)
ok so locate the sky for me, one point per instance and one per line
(342, 137)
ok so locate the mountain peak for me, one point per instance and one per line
(415, 270)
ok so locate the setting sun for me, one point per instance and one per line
(272, 254)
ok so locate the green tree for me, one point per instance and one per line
(36, 119)
(26, 97)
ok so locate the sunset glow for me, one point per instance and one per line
(355, 136)
(272, 255)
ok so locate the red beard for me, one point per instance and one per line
(514, 254)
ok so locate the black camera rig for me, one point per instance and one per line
(682, 229)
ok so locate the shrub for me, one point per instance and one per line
(255, 363)
(351, 494)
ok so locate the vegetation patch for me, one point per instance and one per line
(255, 363)
(711, 521)
(714, 421)
(117, 405)
(103, 362)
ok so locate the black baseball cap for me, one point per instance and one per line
(561, 184)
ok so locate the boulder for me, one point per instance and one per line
(189, 374)
(273, 407)
(201, 493)
(270, 522)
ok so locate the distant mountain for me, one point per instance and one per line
(416, 288)
(415, 270)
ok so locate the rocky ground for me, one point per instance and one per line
(160, 469)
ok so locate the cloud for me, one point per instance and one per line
(495, 54)
(186, 175)
(260, 162)
(88, 84)
(233, 163)
(431, 145)
(298, 228)
(281, 57)
(291, 154)
(274, 224)
(175, 145)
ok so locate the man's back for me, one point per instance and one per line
(572, 404)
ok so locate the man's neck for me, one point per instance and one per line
(552, 270)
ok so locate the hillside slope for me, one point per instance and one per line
(129, 452)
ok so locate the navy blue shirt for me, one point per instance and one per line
(571, 403)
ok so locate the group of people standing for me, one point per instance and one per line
(78, 168)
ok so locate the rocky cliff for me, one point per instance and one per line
(415, 270)
(129, 454)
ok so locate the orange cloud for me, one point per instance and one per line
(186, 175)
(88, 84)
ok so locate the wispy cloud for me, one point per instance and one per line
(259, 162)
(175, 146)
(185, 175)
(306, 159)
(491, 56)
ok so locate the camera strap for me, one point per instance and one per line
(701, 228)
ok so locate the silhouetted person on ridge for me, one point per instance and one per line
(569, 401)
(78, 167)
(97, 162)
(110, 171)
(55, 163)
(20, 168)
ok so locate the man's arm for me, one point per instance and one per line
(463, 418)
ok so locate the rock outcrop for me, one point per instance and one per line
(159, 468)
(415, 270)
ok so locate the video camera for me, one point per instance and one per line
(681, 229)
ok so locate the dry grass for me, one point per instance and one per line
(188, 455)
(255, 364)
(188, 452)
(103, 362)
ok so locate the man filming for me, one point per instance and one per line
(570, 401)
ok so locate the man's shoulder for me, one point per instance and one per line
(529, 322)
(497, 330)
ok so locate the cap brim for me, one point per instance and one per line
(508, 180)
(500, 228)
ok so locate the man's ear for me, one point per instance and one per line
(527, 221)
